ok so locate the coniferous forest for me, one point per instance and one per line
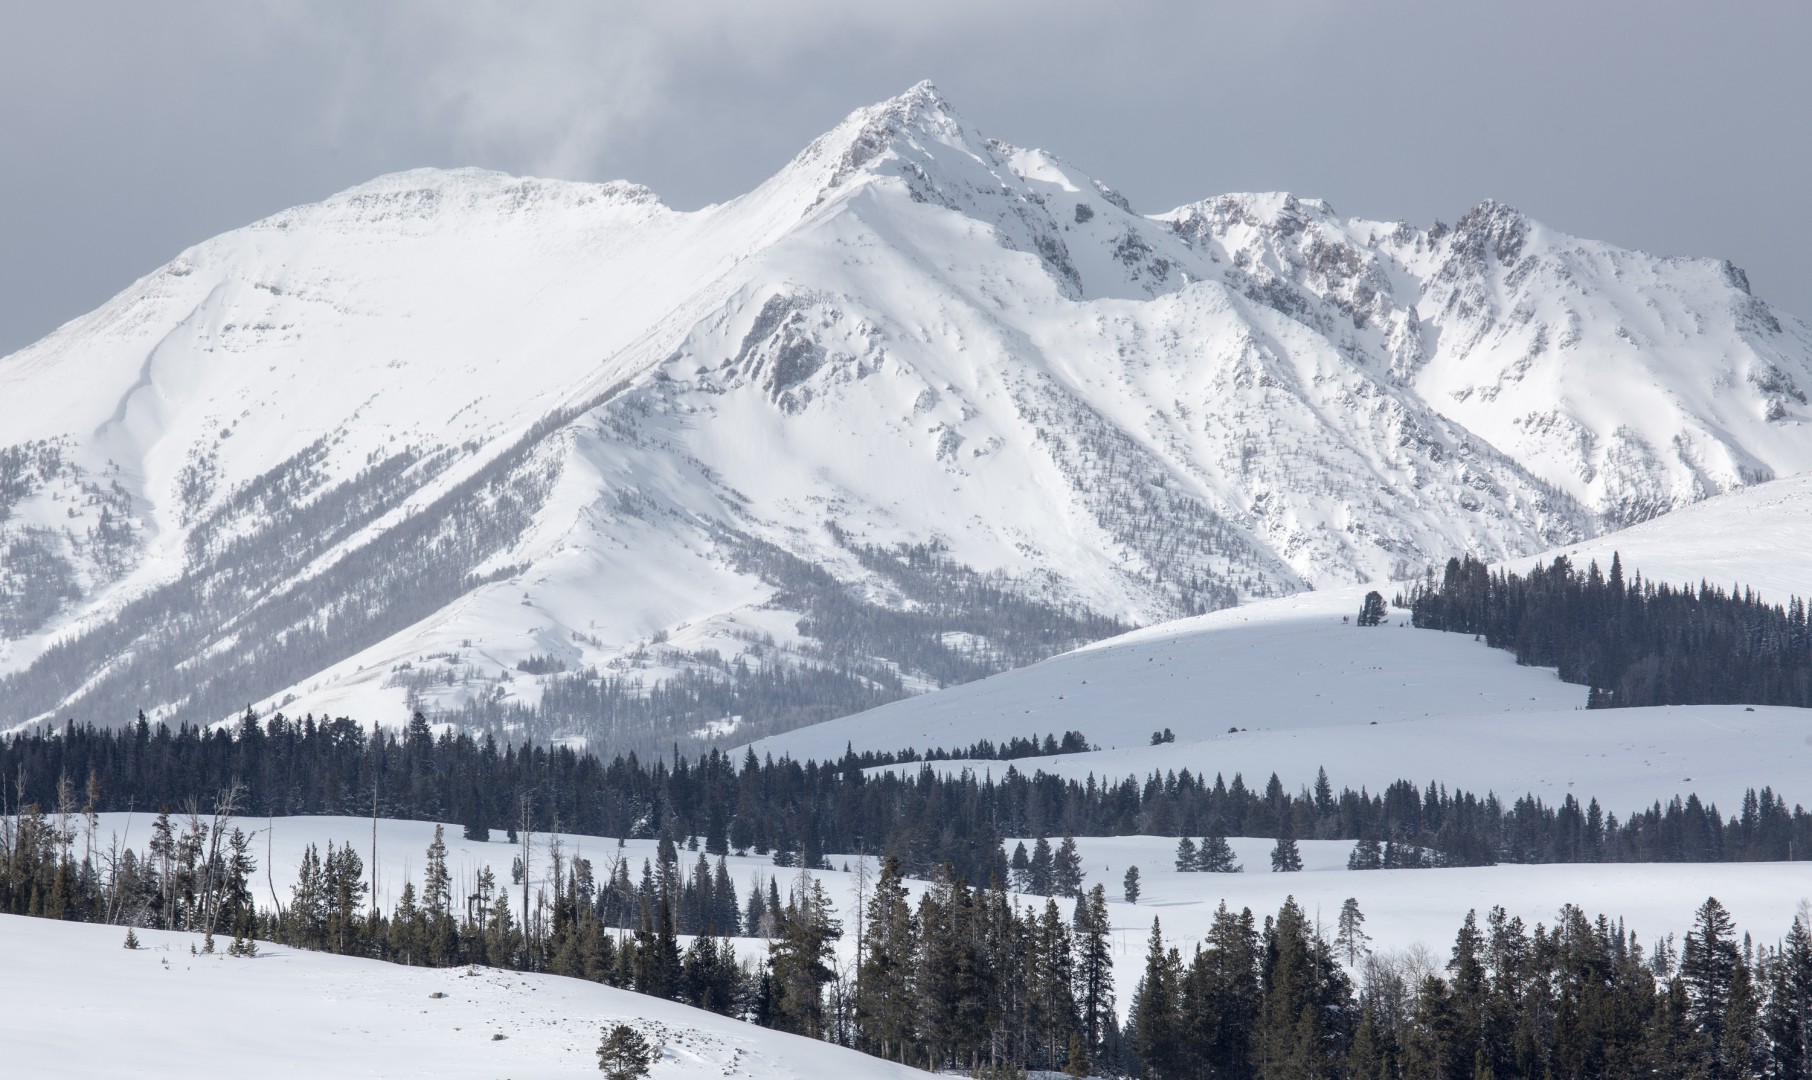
(982, 980)
(799, 811)
(1632, 642)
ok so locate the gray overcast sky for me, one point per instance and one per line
(129, 131)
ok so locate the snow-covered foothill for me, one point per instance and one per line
(1307, 689)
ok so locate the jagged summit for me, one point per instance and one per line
(912, 125)
(471, 443)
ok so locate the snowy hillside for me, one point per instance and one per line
(1307, 690)
(77, 1005)
(921, 407)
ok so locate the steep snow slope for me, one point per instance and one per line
(922, 406)
(1309, 690)
(77, 1005)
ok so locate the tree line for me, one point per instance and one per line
(797, 811)
(1633, 643)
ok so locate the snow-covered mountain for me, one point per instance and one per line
(922, 406)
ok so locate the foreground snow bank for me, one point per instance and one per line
(76, 1004)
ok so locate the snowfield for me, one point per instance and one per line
(77, 1005)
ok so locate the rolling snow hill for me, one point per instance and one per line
(1307, 690)
(77, 1005)
(922, 407)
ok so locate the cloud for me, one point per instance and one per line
(552, 86)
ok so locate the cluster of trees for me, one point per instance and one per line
(1214, 856)
(1579, 999)
(1072, 742)
(971, 979)
(1046, 872)
(1633, 643)
(801, 810)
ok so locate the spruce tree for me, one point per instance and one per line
(884, 1012)
(1285, 859)
(1186, 856)
(1094, 968)
(1787, 1022)
(1067, 869)
(1041, 869)
(1351, 939)
(1216, 856)
(624, 1053)
(1131, 884)
(800, 957)
(1708, 968)
(1366, 856)
(1221, 997)
(1019, 867)
(1157, 1012)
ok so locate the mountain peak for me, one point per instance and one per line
(919, 115)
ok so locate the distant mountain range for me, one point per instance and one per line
(921, 407)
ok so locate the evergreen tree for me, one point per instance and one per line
(624, 1053)
(1131, 883)
(1042, 872)
(1094, 969)
(1066, 873)
(1366, 856)
(1351, 939)
(1186, 857)
(1787, 1022)
(1302, 1013)
(1371, 611)
(800, 956)
(1221, 998)
(1708, 968)
(476, 830)
(1050, 977)
(1285, 858)
(884, 1013)
(437, 901)
(1216, 856)
(1076, 1061)
(1019, 867)
(1157, 1012)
